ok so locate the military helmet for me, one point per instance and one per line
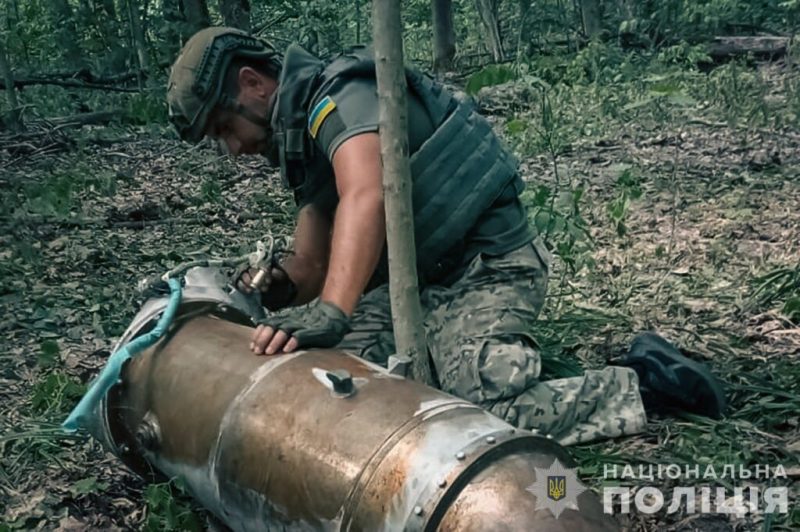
(197, 79)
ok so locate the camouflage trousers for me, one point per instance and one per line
(478, 336)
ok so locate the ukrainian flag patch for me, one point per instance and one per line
(319, 114)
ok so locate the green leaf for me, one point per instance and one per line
(86, 486)
(487, 77)
(48, 354)
(791, 309)
(516, 126)
(541, 196)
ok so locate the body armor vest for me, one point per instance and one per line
(458, 172)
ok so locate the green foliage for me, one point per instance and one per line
(782, 284)
(168, 509)
(210, 190)
(488, 76)
(55, 393)
(596, 62)
(147, 108)
(684, 55)
(628, 189)
(739, 94)
(560, 336)
(48, 355)
(557, 217)
(791, 309)
(555, 210)
(654, 23)
(61, 192)
(87, 486)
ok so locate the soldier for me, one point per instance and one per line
(482, 270)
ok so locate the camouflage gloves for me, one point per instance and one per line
(321, 324)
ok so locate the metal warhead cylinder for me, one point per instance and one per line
(321, 440)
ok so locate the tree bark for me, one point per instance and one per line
(14, 119)
(487, 9)
(524, 37)
(444, 36)
(65, 32)
(67, 83)
(393, 119)
(196, 14)
(174, 28)
(762, 47)
(236, 13)
(136, 17)
(591, 17)
(358, 21)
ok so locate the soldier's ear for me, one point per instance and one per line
(250, 79)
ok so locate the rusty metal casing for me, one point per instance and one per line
(319, 440)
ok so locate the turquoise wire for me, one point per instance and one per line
(111, 372)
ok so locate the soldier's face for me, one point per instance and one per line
(232, 130)
(235, 134)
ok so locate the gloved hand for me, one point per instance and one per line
(276, 288)
(321, 324)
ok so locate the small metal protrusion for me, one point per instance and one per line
(549, 436)
(398, 365)
(460, 455)
(534, 431)
(124, 448)
(259, 278)
(443, 483)
(148, 435)
(490, 439)
(342, 381)
(417, 510)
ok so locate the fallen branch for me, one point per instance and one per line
(19, 83)
(100, 222)
(86, 119)
(762, 47)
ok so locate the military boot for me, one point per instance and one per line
(669, 381)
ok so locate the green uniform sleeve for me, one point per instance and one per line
(344, 111)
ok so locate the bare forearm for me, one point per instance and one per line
(358, 237)
(308, 278)
(308, 264)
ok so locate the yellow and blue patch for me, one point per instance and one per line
(319, 114)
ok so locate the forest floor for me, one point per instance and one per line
(681, 219)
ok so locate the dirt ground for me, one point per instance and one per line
(717, 212)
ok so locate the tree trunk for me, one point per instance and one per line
(174, 29)
(524, 37)
(14, 117)
(590, 14)
(136, 17)
(65, 32)
(196, 14)
(12, 21)
(760, 47)
(393, 115)
(236, 13)
(110, 9)
(358, 21)
(444, 36)
(487, 9)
